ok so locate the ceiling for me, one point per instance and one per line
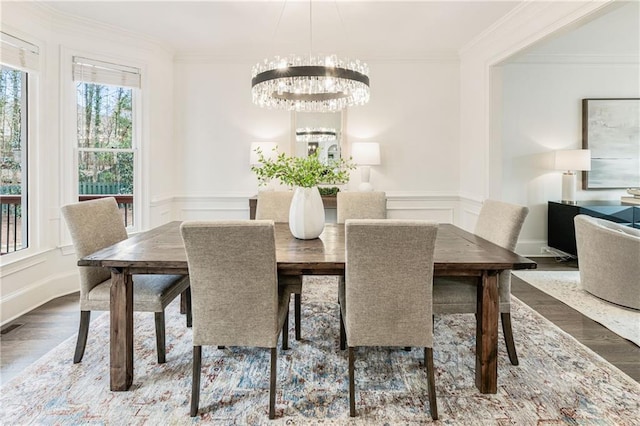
(368, 29)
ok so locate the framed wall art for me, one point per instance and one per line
(611, 131)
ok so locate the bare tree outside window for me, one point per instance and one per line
(13, 150)
(105, 143)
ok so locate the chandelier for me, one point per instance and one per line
(313, 83)
(316, 134)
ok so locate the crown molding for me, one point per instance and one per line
(576, 58)
(209, 57)
(34, 9)
(73, 25)
(519, 17)
(505, 20)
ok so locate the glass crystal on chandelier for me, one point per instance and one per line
(316, 134)
(310, 83)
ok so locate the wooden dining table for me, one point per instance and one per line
(161, 251)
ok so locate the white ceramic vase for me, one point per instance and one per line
(306, 215)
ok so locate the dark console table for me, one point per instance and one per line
(561, 233)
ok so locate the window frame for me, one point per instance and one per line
(70, 150)
(31, 86)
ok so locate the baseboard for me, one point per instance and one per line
(30, 297)
(532, 248)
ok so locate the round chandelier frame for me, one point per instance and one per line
(310, 83)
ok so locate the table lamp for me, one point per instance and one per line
(571, 160)
(365, 154)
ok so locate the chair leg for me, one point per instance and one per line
(83, 332)
(272, 384)
(160, 340)
(508, 337)
(195, 380)
(431, 381)
(297, 307)
(187, 302)
(285, 333)
(183, 302)
(352, 386)
(343, 333)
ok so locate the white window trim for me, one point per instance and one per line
(69, 149)
(34, 217)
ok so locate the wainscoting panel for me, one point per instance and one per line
(437, 207)
(215, 207)
(468, 213)
(160, 211)
(442, 208)
(434, 207)
(34, 281)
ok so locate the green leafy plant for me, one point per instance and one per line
(330, 191)
(306, 172)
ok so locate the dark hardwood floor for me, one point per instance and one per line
(618, 351)
(27, 338)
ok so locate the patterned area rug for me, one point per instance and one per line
(565, 286)
(558, 381)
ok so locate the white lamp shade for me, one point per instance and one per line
(268, 151)
(366, 153)
(573, 159)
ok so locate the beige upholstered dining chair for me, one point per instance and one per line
(97, 224)
(361, 205)
(274, 205)
(499, 223)
(235, 292)
(385, 299)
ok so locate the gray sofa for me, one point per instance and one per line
(609, 260)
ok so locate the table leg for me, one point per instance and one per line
(487, 334)
(121, 342)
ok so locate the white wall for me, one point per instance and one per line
(413, 114)
(542, 112)
(215, 123)
(47, 268)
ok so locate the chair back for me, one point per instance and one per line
(388, 283)
(361, 205)
(501, 222)
(274, 205)
(234, 287)
(93, 225)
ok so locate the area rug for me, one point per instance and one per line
(565, 286)
(558, 381)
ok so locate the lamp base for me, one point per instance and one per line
(569, 188)
(365, 174)
(365, 187)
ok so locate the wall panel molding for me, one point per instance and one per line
(38, 293)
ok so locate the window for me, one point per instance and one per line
(19, 60)
(106, 137)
